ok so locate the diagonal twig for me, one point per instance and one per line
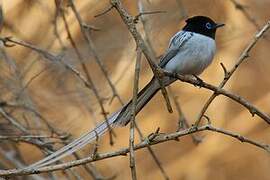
(228, 74)
(87, 73)
(86, 34)
(182, 122)
(219, 91)
(129, 21)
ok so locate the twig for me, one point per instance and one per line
(58, 9)
(182, 121)
(36, 113)
(86, 34)
(217, 91)
(54, 58)
(10, 156)
(132, 163)
(154, 156)
(228, 74)
(13, 121)
(30, 81)
(146, 28)
(17, 76)
(129, 21)
(104, 12)
(242, 8)
(136, 18)
(43, 145)
(87, 73)
(161, 138)
(149, 45)
(27, 137)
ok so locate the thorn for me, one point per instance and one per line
(152, 136)
(6, 41)
(224, 70)
(104, 12)
(136, 18)
(208, 119)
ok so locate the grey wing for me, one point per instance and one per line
(176, 42)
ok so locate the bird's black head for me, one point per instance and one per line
(202, 25)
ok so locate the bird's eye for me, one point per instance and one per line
(208, 25)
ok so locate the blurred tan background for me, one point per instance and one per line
(62, 98)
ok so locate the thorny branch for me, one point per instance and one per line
(158, 138)
(129, 21)
(228, 74)
(219, 91)
(132, 163)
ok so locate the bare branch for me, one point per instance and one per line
(86, 34)
(129, 21)
(243, 56)
(182, 121)
(132, 163)
(217, 91)
(104, 12)
(88, 76)
(159, 138)
(243, 9)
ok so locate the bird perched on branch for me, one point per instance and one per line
(190, 52)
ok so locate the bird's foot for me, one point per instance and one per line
(199, 80)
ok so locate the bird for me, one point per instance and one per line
(190, 52)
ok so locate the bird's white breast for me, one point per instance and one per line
(193, 56)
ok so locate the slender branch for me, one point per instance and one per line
(12, 121)
(154, 156)
(132, 163)
(151, 49)
(217, 91)
(88, 76)
(27, 137)
(142, 13)
(27, 84)
(129, 21)
(182, 121)
(11, 157)
(53, 58)
(58, 9)
(157, 139)
(228, 74)
(104, 12)
(243, 8)
(86, 34)
(36, 113)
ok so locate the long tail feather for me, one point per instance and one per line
(121, 117)
(77, 143)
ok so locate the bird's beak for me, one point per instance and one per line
(218, 25)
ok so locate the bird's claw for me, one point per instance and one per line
(199, 81)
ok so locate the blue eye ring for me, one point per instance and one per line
(208, 25)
